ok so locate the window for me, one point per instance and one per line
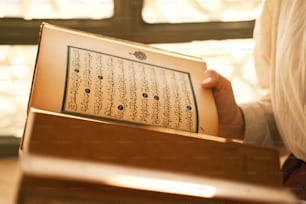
(54, 9)
(187, 11)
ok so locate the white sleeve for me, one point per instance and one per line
(260, 127)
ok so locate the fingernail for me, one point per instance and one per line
(207, 80)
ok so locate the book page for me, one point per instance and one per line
(108, 86)
(109, 79)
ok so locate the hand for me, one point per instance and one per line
(231, 123)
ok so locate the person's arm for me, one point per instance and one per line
(260, 126)
(253, 122)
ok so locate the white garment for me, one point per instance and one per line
(280, 59)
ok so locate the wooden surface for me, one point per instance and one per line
(81, 139)
(9, 178)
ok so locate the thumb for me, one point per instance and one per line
(212, 79)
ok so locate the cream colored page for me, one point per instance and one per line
(113, 82)
(108, 86)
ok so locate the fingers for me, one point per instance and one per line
(214, 80)
(211, 79)
(221, 89)
(230, 119)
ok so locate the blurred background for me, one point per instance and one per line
(219, 31)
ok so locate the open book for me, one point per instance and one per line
(118, 81)
(106, 102)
